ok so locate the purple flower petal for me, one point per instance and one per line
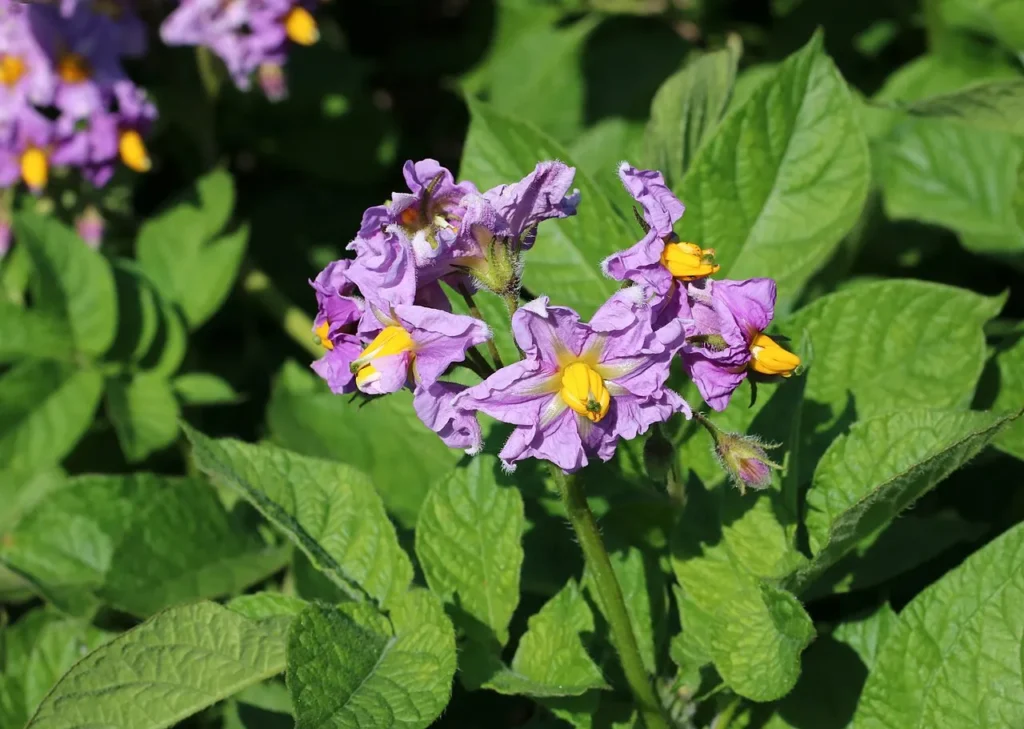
(456, 428)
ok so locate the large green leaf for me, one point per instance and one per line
(953, 660)
(139, 543)
(867, 636)
(47, 407)
(203, 388)
(687, 109)
(884, 464)
(784, 177)
(565, 262)
(1002, 19)
(350, 670)
(753, 631)
(377, 438)
(72, 282)
(138, 312)
(187, 252)
(153, 676)
(30, 333)
(889, 345)
(329, 510)
(144, 413)
(469, 544)
(995, 106)
(1010, 363)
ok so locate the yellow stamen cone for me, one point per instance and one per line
(688, 261)
(771, 359)
(73, 68)
(300, 26)
(584, 392)
(321, 336)
(35, 168)
(12, 69)
(392, 340)
(133, 151)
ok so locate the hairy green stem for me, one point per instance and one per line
(474, 311)
(724, 719)
(612, 602)
(293, 320)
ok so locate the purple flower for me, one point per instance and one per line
(250, 36)
(580, 387)
(90, 226)
(25, 150)
(659, 258)
(457, 428)
(743, 457)
(724, 323)
(338, 313)
(26, 78)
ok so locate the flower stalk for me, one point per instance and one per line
(474, 311)
(612, 602)
(295, 323)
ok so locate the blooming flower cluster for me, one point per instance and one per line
(252, 37)
(64, 96)
(386, 323)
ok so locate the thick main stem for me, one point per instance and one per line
(293, 320)
(612, 602)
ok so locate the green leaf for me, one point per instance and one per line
(753, 631)
(138, 312)
(376, 438)
(203, 388)
(889, 345)
(47, 408)
(1010, 363)
(687, 109)
(72, 282)
(551, 652)
(947, 174)
(347, 671)
(29, 333)
(525, 90)
(144, 413)
(267, 605)
(329, 510)
(643, 589)
(170, 343)
(181, 251)
(867, 636)
(139, 543)
(784, 177)
(996, 106)
(1001, 19)
(469, 544)
(953, 659)
(884, 464)
(153, 676)
(565, 262)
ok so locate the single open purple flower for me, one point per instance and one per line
(581, 387)
(26, 77)
(723, 319)
(457, 428)
(25, 150)
(659, 258)
(338, 313)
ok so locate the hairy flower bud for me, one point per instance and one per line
(743, 457)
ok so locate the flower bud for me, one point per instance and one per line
(90, 227)
(498, 269)
(743, 457)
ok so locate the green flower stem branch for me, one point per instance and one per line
(291, 318)
(474, 311)
(612, 602)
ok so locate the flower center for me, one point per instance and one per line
(321, 333)
(73, 68)
(392, 340)
(300, 26)
(771, 359)
(133, 151)
(583, 390)
(35, 168)
(12, 69)
(688, 261)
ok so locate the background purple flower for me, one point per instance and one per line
(580, 388)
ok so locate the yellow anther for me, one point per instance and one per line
(688, 261)
(300, 26)
(366, 374)
(321, 336)
(771, 359)
(73, 68)
(35, 168)
(409, 216)
(133, 151)
(12, 69)
(392, 340)
(583, 390)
